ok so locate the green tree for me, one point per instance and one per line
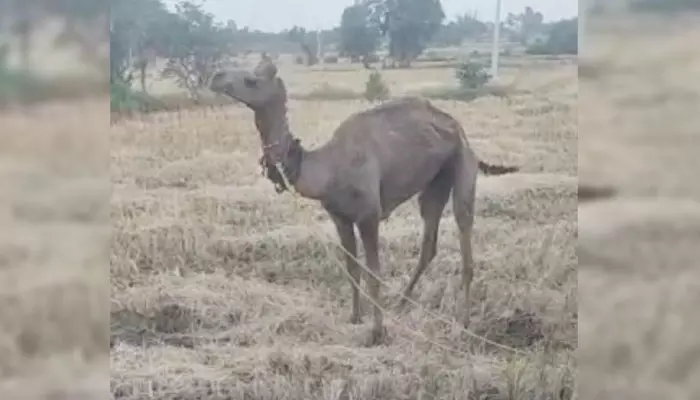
(463, 27)
(470, 25)
(299, 35)
(195, 46)
(119, 54)
(562, 38)
(359, 38)
(409, 25)
(525, 25)
(139, 29)
(85, 25)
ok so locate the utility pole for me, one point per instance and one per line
(583, 10)
(319, 46)
(496, 39)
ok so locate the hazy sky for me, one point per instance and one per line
(275, 15)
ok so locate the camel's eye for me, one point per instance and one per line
(250, 82)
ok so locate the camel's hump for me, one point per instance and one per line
(407, 106)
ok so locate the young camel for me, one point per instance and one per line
(375, 160)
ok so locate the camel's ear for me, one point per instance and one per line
(266, 69)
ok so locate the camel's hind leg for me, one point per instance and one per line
(463, 199)
(369, 233)
(432, 202)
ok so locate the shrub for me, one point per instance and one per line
(25, 87)
(330, 59)
(124, 99)
(372, 58)
(472, 75)
(18, 87)
(375, 88)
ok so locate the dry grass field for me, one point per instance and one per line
(639, 281)
(222, 289)
(55, 236)
(54, 248)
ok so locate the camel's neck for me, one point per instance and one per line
(279, 145)
(273, 125)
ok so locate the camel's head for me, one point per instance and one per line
(258, 89)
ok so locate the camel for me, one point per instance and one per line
(375, 160)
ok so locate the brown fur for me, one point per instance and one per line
(375, 160)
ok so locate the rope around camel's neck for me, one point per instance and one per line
(275, 134)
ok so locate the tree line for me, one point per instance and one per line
(83, 26)
(193, 43)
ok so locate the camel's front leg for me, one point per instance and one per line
(347, 240)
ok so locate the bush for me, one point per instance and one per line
(126, 102)
(472, 75)
(299, 60)
(26, 88)
(18, 87)
(375, 88)
(15, 85)
(330, 59)
(123, 99)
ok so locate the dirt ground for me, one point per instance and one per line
(223, 289)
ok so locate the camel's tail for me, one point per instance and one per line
(489, 169)
(592, 193)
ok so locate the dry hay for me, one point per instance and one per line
(225, 290)
(53, 252)
(638, 278)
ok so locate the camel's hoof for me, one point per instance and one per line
(355, 319)
(376, 336)
(403, 302)
(466, 321)
(401, 306)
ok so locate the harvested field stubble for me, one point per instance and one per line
(54, 287)
(223, 289)
(639, 281)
